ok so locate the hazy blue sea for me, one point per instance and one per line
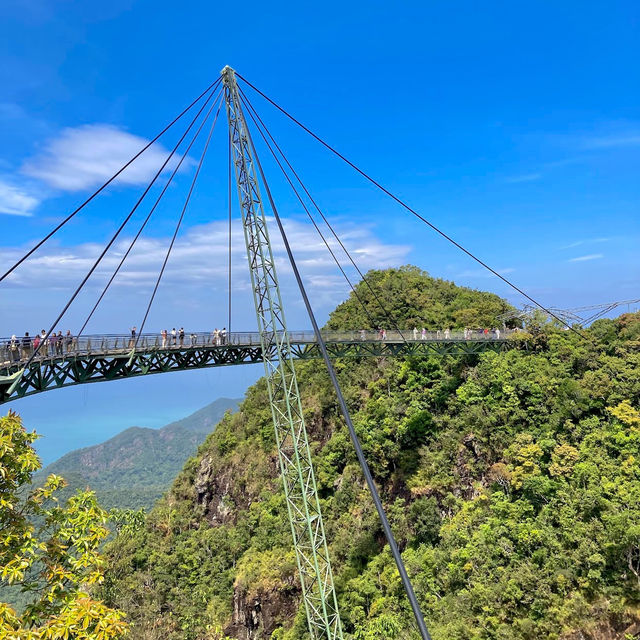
(84, 415)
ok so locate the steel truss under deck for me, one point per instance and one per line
(101, 365)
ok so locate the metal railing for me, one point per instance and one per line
(20, 349)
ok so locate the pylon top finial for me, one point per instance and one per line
(227, 71)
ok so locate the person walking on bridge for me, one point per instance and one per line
(26, 346)
(223, 335)
(132, 341)
(447, 333)
(59, 343)
(181, 336)
(173, 336)
(423, 335)
(14, 352)
(52, 341)
(163, 334)
(415, 333)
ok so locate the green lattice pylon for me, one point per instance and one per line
(294, 454)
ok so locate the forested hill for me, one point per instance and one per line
(511, 481)
(134, 468)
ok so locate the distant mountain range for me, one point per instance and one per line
(134, 468)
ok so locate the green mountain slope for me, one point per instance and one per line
(511, 480)
(134, 468)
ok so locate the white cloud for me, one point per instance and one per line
(86, 156)
(15, 201)
(592, 256)
(199, 258)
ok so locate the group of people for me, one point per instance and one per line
(176, 338)
(24, 347)
(439, 334)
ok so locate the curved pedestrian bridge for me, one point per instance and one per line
(96, 358)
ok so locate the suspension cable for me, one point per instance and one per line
(115, 235)
(395, 551)
(304, 206)
(179, 223)
(387, 314)
(411, 210)
(146, 220)
(210, 88)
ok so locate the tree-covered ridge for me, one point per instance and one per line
(135, 467)
(511, 481)
(411, 298)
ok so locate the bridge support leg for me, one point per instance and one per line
(294, 453)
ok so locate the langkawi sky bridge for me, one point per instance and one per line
(28, 367)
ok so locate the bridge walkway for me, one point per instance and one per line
(96, 358)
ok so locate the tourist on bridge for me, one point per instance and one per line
(68, 341)
(14, 352)
(423, 334)
(132, 341)
(216, 337)
(363, 335)
(59, 343)
(181, 336)
(26, 346)
(173, 336)
(223, 335)
(415, 333)
(53, 341)
(497, 332)
(163, 333)
(447, 334)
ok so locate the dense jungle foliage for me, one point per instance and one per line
(511, 480)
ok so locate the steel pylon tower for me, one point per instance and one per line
(309, 540)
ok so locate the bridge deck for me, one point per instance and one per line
(86, 359)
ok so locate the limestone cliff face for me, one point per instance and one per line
(262, 601)
(257, 616)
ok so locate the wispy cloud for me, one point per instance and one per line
(625, 139)
(591, 256)
(84, 157)
(528, 177)
(579, 243)
(16, 201)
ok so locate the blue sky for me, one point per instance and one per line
(513, 126)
